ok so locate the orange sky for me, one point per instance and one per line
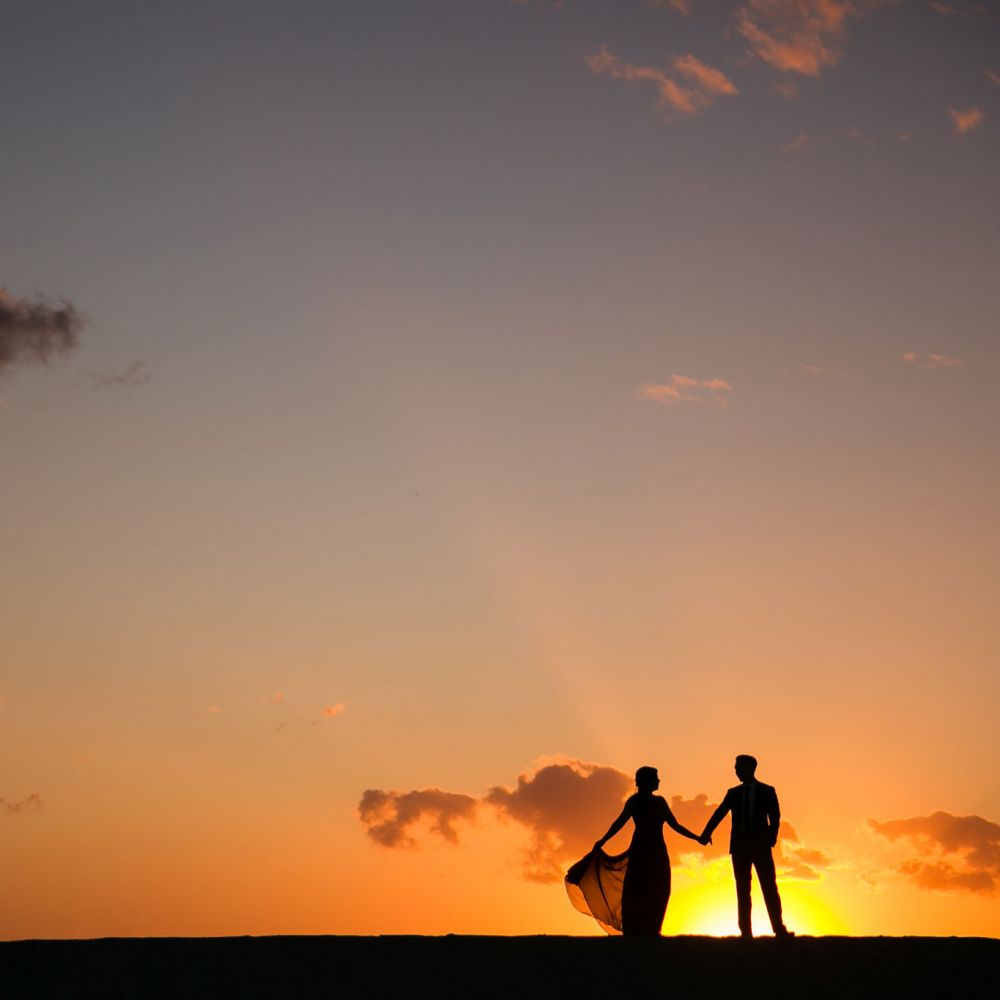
(403, 403)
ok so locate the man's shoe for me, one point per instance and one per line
(784, 934)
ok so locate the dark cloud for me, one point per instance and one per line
(390, 816)
(137, 373)
(960, 853)
(33, 330)
(565, 805)
(31, 804)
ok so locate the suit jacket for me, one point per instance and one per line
(753, 832)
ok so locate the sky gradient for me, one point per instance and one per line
(417, 415)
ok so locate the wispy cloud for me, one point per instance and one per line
(834, 372)
(931, 360)
(796, 145)
(685, 389)
(966, 121)
(705, 84)
(332, 711)
(31, 804)
(799, 36)
(992, 75)
(32, 331)
(681, 6)
(958, 853)
(137, 373)
(213, 710)
(273, 699)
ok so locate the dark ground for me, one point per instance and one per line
(438, 967)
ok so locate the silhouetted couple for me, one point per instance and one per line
(628, 893)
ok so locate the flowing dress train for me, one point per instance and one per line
(627, 893)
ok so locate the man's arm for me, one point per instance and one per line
(774, 817)
(716, 818)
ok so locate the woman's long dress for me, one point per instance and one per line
(627, 893)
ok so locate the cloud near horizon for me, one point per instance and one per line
(704, 86)
(564, 805)
(32, 331)
(953, 853)
(685, 389)
(931, 361)
(31, 804)
(137, 373)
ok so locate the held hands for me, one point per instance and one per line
(704, 840)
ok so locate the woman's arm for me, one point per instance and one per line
(674, 825)
(623, 818)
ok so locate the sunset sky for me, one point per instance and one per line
(415, 415)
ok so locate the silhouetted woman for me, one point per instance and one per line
(628, 892)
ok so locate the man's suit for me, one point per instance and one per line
(755, 812)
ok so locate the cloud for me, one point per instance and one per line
(213, 710)
(953, 10)
(564, 805)
(787, 89)
(796, 861)
(32, 331)
(706, 83)
(966, 121)
(799, 36)
(275, 699)
(796, 145)
(707, 78)
(931, 361)
(992, 75)
(685, 389)
(681, 6)
(953, 853)
(31, 804)
(332, 711)
(827, 371)
(389, 817)
(137, 373)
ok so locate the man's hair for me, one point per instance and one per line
(747, 760)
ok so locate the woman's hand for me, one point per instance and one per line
(598, 845)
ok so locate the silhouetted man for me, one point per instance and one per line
(754, 807)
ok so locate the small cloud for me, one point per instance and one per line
(966, 121)
(931, 361)
(855, 133)
(277, 698)
(137, 373)
(827, 371)
(904, 136)
(709, 79)
(944, 8)
(332, 711)
(685, 389)
(213, 710)
(706, 83)
(953, 853)
(390, 817)
(804, 36)
(681, 6)
(796, 145)
(32, 330)
(992, 75)
(31, 804)
(787, 89)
